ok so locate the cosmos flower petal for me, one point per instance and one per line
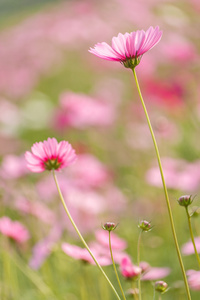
(103, 50)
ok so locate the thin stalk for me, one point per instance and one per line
(192, 236)
(164, 188)
(138, 262)
(154, 294)
(135, 296)
(81, 237)
(111, 254)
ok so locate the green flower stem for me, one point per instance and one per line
(81, 237)
(165, 189)
(154, 294)
(192, 236)
(111, 254)
(138, 262)
(135, 296)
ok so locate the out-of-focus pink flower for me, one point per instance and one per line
(44, 248)
(50, 155)
(82, 254)
(194, 279)
(179, 174)
(188, 247)
(129, 270)
(103, 250)
(36, 209)
(179, 50)
(169, 94)
(14, 230)
(117, 243)
(13, 166)
(128, 47)
(81, 111)
(89, 172)
(153, 273)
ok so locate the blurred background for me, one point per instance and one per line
(51, 86)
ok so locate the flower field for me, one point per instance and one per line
(100, 150)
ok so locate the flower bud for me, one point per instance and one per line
(109, 226)
(145, 225)
(161, 286)
(185, 200)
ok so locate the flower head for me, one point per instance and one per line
(128, 48)
(161, 286)
(129, 270)
(109, 226)
(50, 155)
(185, 200)
(145, 225)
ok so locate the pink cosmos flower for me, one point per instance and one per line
(188, 248)
(14, 230)
(50, 155)
(194, 279)
(13, 166)
(96, 112)
(82, 254)
(43, 248)
(155, 273)
(117, 243)
(129, 270)
(128, 48)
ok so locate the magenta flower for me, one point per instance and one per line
(83, 254)
(128, 48)
(14, 230)
(50, 155)
(155, 273)
(194, 279)
(129, 270)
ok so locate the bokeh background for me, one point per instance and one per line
(51, 86)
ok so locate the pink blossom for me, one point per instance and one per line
(188, 247)
(125, 48)
(118, 255)
(13, 166)
(153, 273)
(36, 209)
(89, 172)
(81, 111)
(117, 243)
(129, 270)
(179, 174)
(82, 254)
(14, 230)
(44, 247)
(194, 279)
(50, 155)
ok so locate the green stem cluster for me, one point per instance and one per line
(164, 188)
(114, 266)
(81, 237)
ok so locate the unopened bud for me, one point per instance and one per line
(145, 225)
(185, 200)
(109, 226)
(161, 286)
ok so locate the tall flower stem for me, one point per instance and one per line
(81, 237)
(192, 236)
(164, 187)
(111, 254)
(138, 262)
